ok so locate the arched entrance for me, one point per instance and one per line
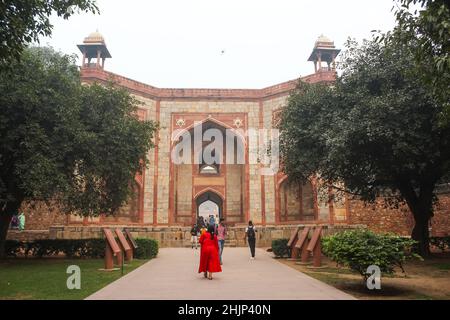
(209, 203)
(217, 163)
(207, 208)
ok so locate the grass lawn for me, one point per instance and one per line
(424, 280)
(46, 278)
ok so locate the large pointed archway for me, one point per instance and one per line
(227, 177)
(206, 198)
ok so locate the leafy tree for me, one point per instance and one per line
(60, 140)
(376, 130)
(24, 21)
(427, 23)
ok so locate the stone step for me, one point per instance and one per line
(228, 244)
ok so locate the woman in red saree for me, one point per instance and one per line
(209, 253)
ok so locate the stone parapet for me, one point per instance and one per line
(27, 235)
(282, 89)
(172, 236)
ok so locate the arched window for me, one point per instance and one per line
(209, 169)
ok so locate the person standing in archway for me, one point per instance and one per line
(200, 222)
(209, 254)
(250, 235)
(212, 221)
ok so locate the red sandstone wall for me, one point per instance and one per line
(39, 216)
(381, 219)
(440, 224)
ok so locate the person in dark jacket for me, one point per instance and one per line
(250, 235)
(194, 236)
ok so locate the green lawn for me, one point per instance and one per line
(46, 278)
(424, 280)
(443, 266)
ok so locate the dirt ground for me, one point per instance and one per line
(425, 280)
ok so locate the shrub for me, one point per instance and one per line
(147, 248)
(442, 243)
(13, 247)
(83, 248)
(280, 248)
(359, 249)
(95, 248)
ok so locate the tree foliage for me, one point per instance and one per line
(61, 140)
(24, 21)
(376, 130)
(427, 24)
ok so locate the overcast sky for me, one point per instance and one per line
(179, 43)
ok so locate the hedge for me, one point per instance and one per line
(82, 248)
(147, 248)
(360, 249)
(280, 248)
(442, 243)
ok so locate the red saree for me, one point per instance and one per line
(209, 254)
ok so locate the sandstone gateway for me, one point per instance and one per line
(169, 196)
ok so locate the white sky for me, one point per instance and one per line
(178, 43)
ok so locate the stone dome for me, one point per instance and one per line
(324, 42)
(323, 38)
(95, 37)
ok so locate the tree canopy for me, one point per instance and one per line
(376, 130)
(24, 21)
(427, 24)
(61, 140)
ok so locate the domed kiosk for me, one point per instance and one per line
(94, 47)
(324, 50)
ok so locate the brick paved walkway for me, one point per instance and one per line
(173, 275)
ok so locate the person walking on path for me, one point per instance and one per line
(194, 237)
(250, 235)
(221, 235)
(209, 254)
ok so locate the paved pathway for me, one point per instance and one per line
(173, 275)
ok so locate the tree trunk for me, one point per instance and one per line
(5, 219)
(421, 205)
(420, 233)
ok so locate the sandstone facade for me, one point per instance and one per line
(168, 195)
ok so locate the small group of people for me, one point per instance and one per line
(201, 227)
(18, 221)
(212, 242)
(203, 222)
